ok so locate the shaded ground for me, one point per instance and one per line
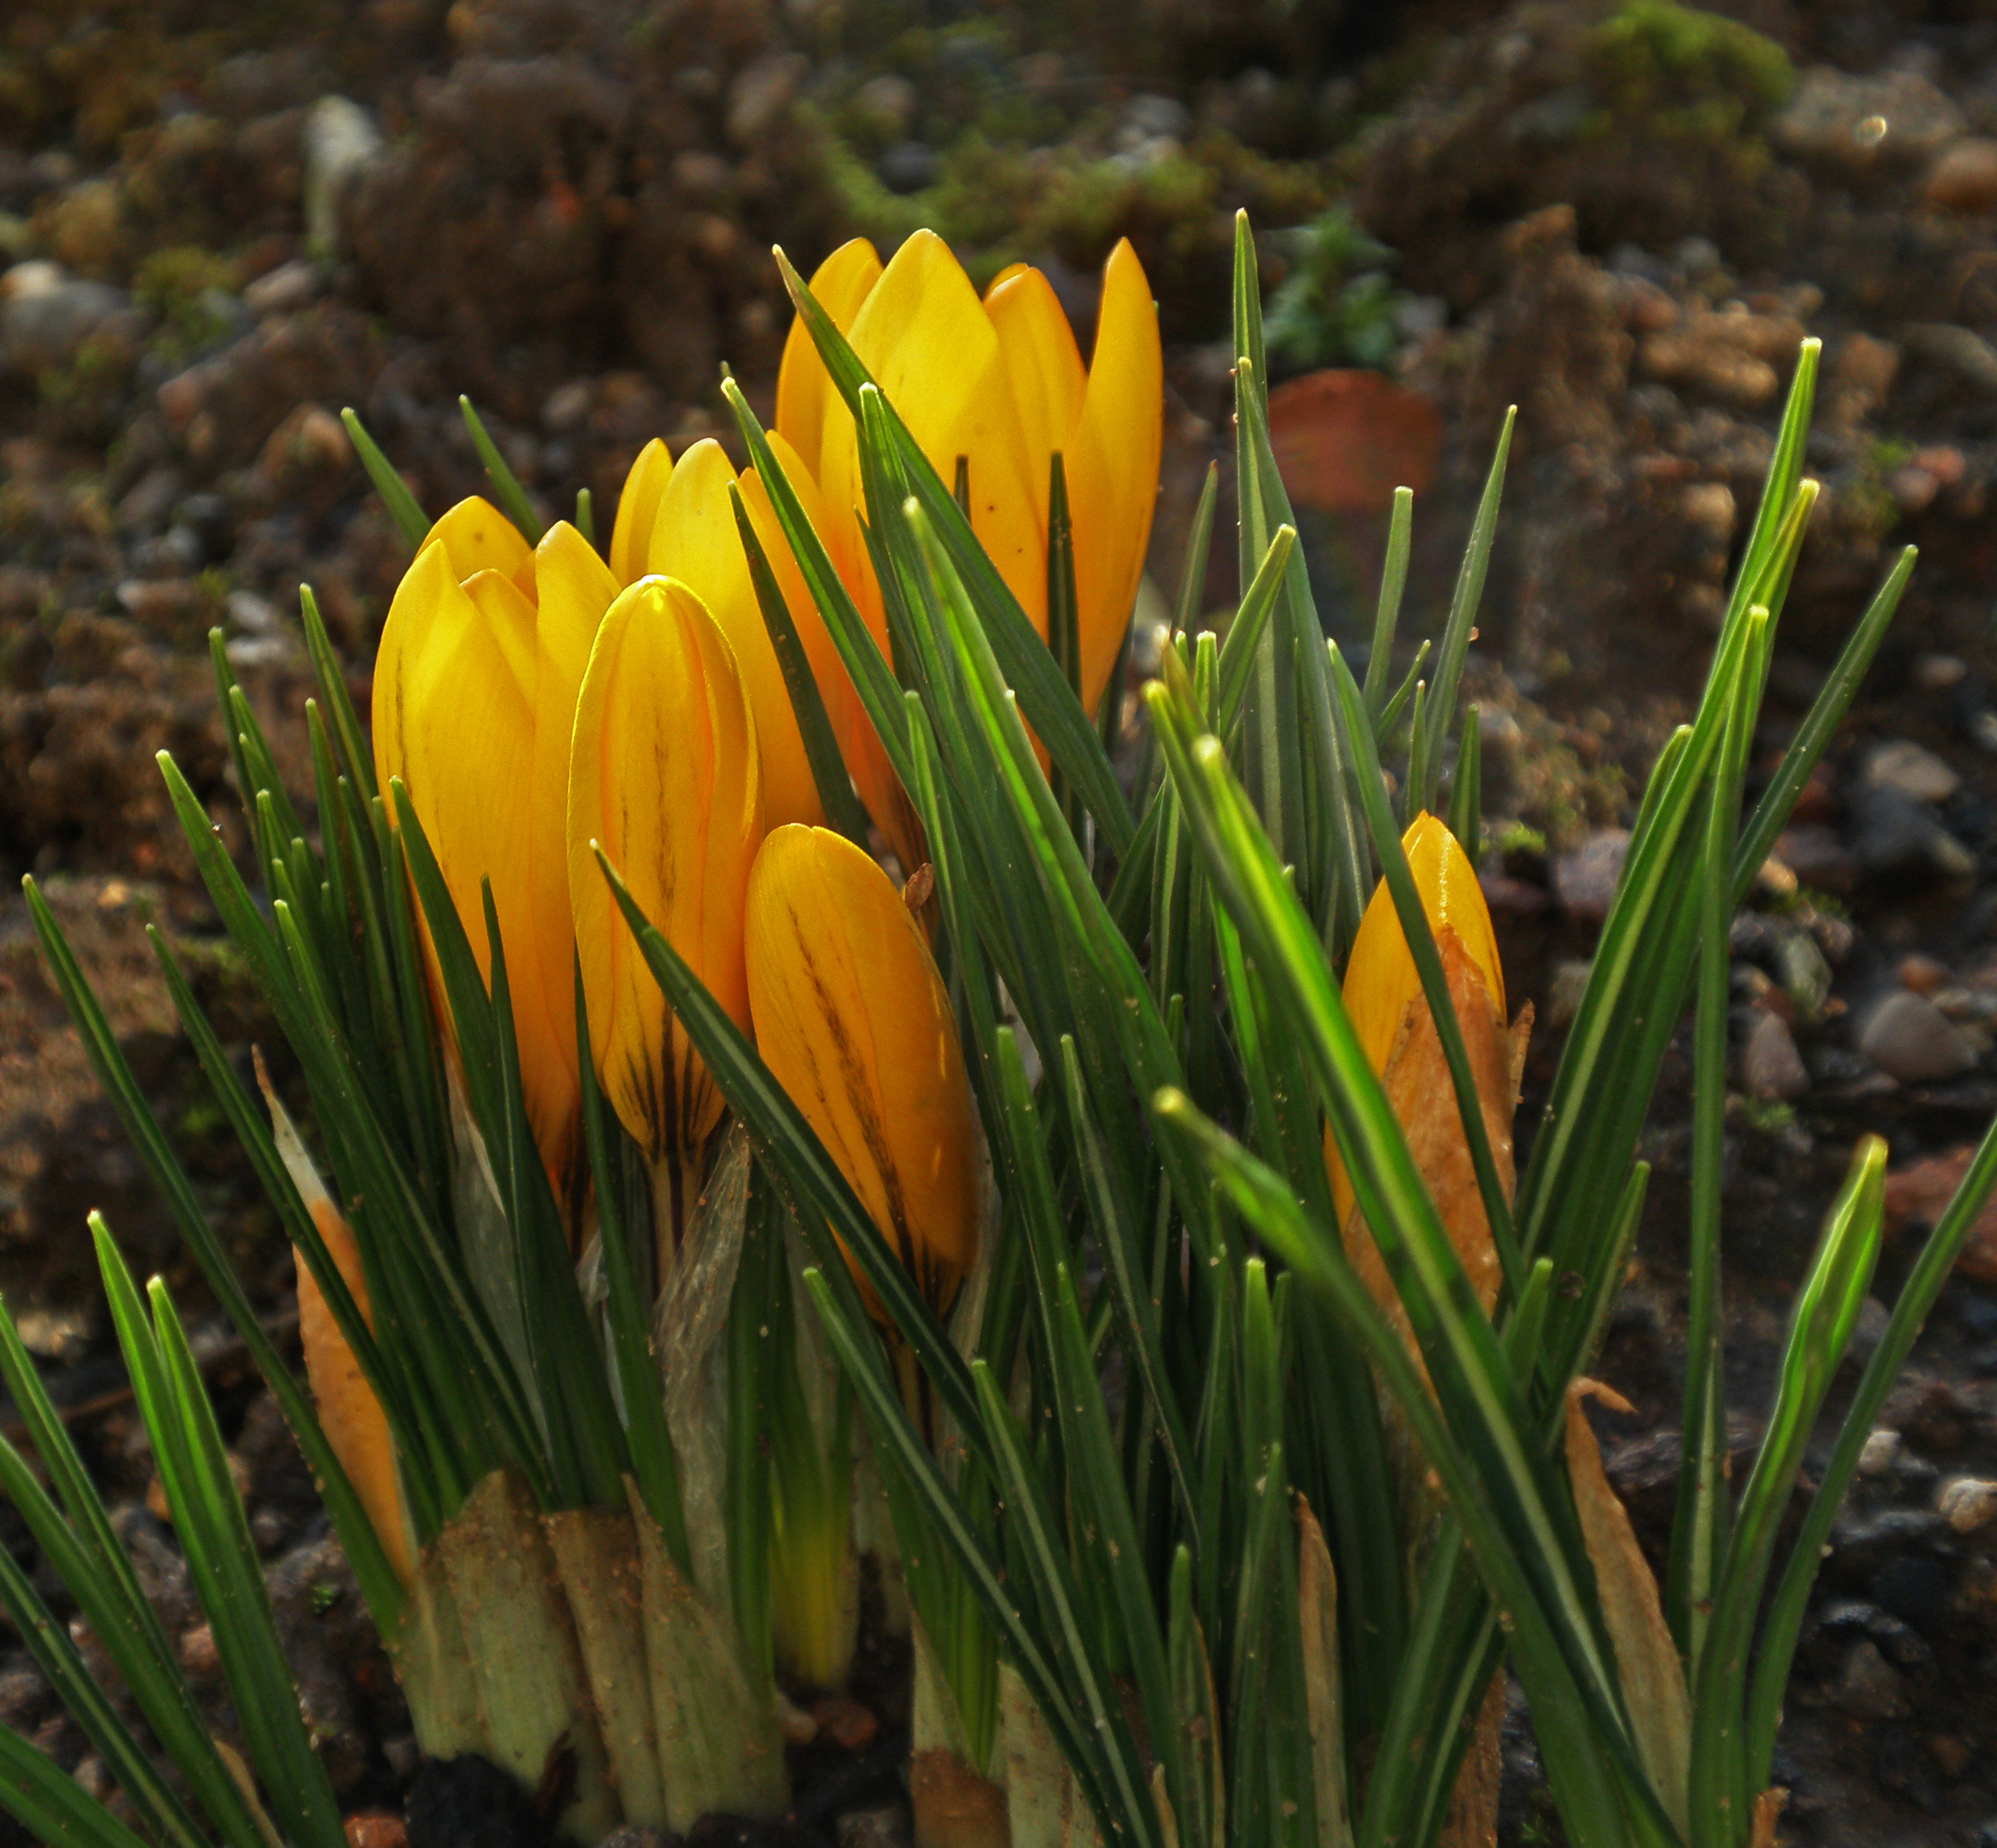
(1621, 217)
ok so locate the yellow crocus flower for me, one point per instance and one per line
(674, 520)
(999, 383)
(1384, 1000)
(852, 1018)
(663, 774)
(475, 696)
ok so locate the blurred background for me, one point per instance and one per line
(221, 221)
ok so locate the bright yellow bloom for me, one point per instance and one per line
(1383, 998)
(674, 520)
(474, 695)
(999, 383)
(852, 1018)
(664, 774)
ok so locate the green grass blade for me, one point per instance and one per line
(834, 788)
(1187, 607)
(506, 484)
(1386, 617)
(1239, 651)
(356, 760)
(1932, 1269)
(50, 1805)
(1425, 751)
(1825, 714)
(585, 515)
(410, 519)
(1820, 1330)
(1466, 790)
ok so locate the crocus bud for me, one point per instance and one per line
(851, 1018)
(475, 696)
(1383, 998)
(664, 775)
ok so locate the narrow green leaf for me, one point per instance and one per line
(409, 518)
(1187, 607)
(1466, 790)
(512, 497)
(1386, 618)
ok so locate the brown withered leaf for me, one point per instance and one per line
(1472, 1818)
(1647, 1658)
(1345, 440)
(1417, 1082)
(1317, 1605)
(1767, 1808)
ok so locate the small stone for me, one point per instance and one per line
(636, 1835)
(1909, 1038)
(1565, 991)
(1869, 1687)
(285, 289)
(889, 100)
(1856, 124)
(44, 329)
(1967, 355)
(1964, 179)
(846, 1723)
(199, 1654)
(907, 167)
(1584, 880)
(1687, 359)
(1875, 1456)
(150, 499)
(761, 92)
(377, 1829)
(1913, 771)
(1771, 1067)
(567, 407)
(1921, 974)
(1968, 1503)
(1895, 836)
(1818, 857)
(1940, 673)
(251, 613)
(879, 1825)
(22, 1689)
(341, 142)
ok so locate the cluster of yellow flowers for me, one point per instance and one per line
(537, 703)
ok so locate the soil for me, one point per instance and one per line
(1620, 215)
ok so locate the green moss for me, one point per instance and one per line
(1335, 307)
(180, 285)
(1696, 73)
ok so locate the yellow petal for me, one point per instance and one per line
(1043, 364)
(455, 684)
(695, 539)
(852, 1018)
(663, 772)
(637, 509)
(476, 537)
(1380, 977)
(576, 588)
(839, 285)
(1112, 466)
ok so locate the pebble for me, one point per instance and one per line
(1909, 1038)
(1771, 1067)
(890, 99)
(1585, 879)
(1964, 179)
(1869, 1687)
(1897, 118)
(907, 167)
(1818, 857)
(1564, 992)
(636, 1835)
(1940, 673)
(1894, 836)
(1912, 770)
(376, 1829)
(45, 327)
(1967, 355)
(845, 1722)
(285, 289)
(1921, 974)
(341, 142)
(1875, 1456)
(879, 1825)
(254, 615)
(760, 93)
(1968, 1503)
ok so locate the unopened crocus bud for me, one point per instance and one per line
(663, 776)
(475, 696)
(1384, 1000)
(852, 1018)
